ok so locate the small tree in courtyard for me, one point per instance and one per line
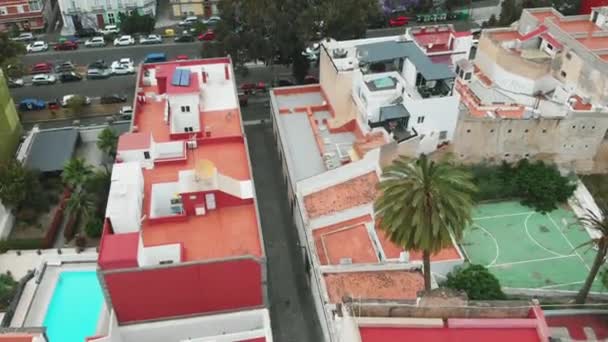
(476, 281)
(597, 222)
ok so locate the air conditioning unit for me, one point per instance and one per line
(191, 144)
(346, 261)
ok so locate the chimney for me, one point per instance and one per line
(226, 71)
(161, 83)
(204, 74)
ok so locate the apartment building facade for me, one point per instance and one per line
(538, 90)
(77, 14)
(24, 15)
(199, 8)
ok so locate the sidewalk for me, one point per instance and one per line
(89, 111)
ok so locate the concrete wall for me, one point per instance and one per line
(338, 88)
(7, 220)
(440, 114)
(572, 141)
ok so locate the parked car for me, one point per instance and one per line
(69, 77)
(66, 66)
(189, 21)
(184, 38)
(114, 98)
(211, 21)
(37, 46)
(151, 39)
(86, 32)
(284, 83)
(122, 68)
(243, 99)
(155, 58)
(95, 42)
(98, 64)
(15, 82)
(43, 79)
(126, 112)
(109, 29)
(66, 45)
(182, 58)
(208, 35)
(24, 37)
(42, 68)
(93, 74)
(252, 88)
(31, 104)
(66, 98)
(398, 21)
(124, 41)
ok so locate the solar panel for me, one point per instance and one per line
(176, 79)
(185, 78)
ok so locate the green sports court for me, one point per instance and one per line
(526, 249)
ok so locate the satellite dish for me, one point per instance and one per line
(204, 169)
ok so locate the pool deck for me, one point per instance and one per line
(35, 299)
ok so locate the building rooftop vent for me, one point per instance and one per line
(339, 53)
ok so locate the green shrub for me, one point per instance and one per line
(18, 244)
(476, 281)
(94, 227)
(8, 286)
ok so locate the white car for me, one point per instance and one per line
(212, 20)
(37, 46)
(24, 37)
(123, 67)
(42, 79)
(188, 21)
(151, 39)
(95, 42)
(126, 112)
(124, 41)
(110, 29)
(66, 98)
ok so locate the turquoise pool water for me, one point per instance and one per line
(73, 312)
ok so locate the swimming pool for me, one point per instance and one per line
(73, 311)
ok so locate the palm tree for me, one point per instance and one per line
(81, 203)
(107, 141)
(76, 172)
(422, 203)
(599, 224)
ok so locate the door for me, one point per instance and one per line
(100, 22)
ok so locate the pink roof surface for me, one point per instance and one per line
(16, 337)
(534, 33)
(118, 250)
(345, 240)
(193, 86)
(373, 334)
(578, 325)
(134, 141)
(392, 251)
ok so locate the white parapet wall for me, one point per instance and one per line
(582, 203)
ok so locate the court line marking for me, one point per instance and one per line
(559, 285)
(568, 241)
(533, 260)
(534, 240)
(495, 244)
(499, 216)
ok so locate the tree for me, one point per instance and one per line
(76, 172)
(99, 185)
(136, 23)
(76, 103)
(476, 281)
(7, 289)
(492, 22)
(10, 56)
(17, 184)
(94, 227)
(107, 141)
(81, 204)
(212, 49)
(423, 204)
(597, 222)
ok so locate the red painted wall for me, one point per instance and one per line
(586, 5)
(222, 200)
(184, 290)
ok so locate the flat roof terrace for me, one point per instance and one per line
(395, 285)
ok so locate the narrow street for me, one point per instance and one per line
(292, 310)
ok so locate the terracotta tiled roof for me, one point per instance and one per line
(374, 285)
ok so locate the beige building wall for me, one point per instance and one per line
(571, 142)
(338, 89)
(191, 8)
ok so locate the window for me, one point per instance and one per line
(146, 155)
(509, 130)
(568, 56)
(3, 10)
(563, 73)
(492, 130)
(111, 19)
(443, 135)
(544, 131)
(549, 46)
(35, 5)
(526, 130)
(467, 76)
(420, 119)
(165, 262)
(20, 9)
(185, 109)
(468, 131)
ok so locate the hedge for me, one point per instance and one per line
(6, 245)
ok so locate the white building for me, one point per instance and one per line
(99, 13)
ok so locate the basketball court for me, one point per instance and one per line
(526, 249)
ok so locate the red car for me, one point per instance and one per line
(310, 80)
(251, 88)
(398, 21)
(207, 36)
(182, 58)
(42, 68)
(67, 45)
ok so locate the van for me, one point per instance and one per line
(155, 58)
